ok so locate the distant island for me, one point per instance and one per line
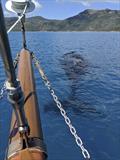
(88, 20)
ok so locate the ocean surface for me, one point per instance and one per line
(91, 97)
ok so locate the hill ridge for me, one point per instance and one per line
(88, 20)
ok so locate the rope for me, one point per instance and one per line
(20, 17)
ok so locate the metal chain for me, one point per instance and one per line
(73, 131)
(16, 60)
(3, 89)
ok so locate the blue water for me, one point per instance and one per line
(91, 99)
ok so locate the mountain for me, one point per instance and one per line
(88, 20)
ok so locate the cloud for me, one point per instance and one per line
(88, 2)
(38, 5)
(85, 3)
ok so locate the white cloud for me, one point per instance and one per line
(88, 2)
(85, 3)
(38, 5)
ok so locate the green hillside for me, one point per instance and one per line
(88, 20)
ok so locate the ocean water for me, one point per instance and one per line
(91, 97)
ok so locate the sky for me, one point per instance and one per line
(61, 9)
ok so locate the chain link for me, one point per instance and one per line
(73, 131)
(3, 89)
(16, 60)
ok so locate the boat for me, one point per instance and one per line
(26, 140)
(26, 136)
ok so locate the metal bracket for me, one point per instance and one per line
(16, 98)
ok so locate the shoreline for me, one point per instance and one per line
(66, 31)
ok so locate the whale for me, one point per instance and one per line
(73, 64)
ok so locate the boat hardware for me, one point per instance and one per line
(3, 89)
(73, 131)
(23, 31)
(15, 94)
(23, 143)
(16, 60)
(21, 18)
(18, 20)
(17, 6)
(35, 138)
